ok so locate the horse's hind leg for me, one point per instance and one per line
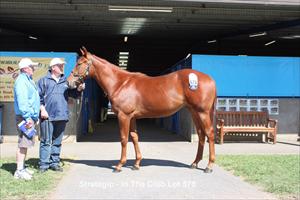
(201, 137)
(207, 127)
(204, 125)
(135, 141)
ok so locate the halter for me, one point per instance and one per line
(85, 73)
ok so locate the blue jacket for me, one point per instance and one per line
(54, 96)
(27, 100)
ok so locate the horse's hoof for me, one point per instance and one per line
(193, 166)
(207, 170)
(135, 168)
(117, 170)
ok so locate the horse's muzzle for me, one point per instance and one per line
(72, 84)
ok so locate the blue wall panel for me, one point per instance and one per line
(252, 76)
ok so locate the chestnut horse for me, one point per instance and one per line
(136, 95)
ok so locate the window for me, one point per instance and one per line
(242, 104)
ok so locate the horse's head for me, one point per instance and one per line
(81, 69)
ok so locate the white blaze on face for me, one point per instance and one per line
(193, 81)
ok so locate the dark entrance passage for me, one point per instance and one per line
(95, 129)
(147, 129)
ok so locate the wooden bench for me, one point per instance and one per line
(245, 122)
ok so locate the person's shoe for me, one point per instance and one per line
(42, 170)
(22, 174)
(56, 168)
(29, 171)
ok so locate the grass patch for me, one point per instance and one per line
(39, 187)
(277, 174)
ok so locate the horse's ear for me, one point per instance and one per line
(83, 51)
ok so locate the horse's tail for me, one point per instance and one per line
(213, 111)
(213, 107)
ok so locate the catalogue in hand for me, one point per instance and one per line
(28, 132)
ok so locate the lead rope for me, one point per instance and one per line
(81, 99)
(77, 113)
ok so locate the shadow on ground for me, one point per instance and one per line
(12, 166)
(32, 163)
(109, 164)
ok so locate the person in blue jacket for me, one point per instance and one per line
(27, 107)
(54, 92)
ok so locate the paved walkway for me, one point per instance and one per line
(164, 174)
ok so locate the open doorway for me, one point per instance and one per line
(100, 124)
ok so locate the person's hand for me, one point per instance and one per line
(81, 87)
(29, 123)
(44, 113)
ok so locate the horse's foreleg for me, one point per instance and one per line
(201, 137)
(135, 141)
(124, 131)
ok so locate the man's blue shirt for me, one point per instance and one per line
(26, 98)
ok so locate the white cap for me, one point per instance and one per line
(26, 62)
(56, 61)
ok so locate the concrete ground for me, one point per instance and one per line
(165, 172)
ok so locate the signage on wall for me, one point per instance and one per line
(9, 71)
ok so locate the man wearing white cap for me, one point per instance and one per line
(27, 107)
(54, 92)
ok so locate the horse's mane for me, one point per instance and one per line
(103, 61)
(116, 68)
